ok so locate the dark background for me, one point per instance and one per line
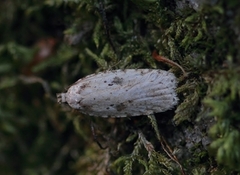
(45, 46)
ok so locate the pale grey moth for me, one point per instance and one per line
(121, 93)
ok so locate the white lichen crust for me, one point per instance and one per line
(121, 93)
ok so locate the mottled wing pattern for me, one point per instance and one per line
(122, 93)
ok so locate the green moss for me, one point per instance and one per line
(223, 99)
(92, 36)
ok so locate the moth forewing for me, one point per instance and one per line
(121, 93)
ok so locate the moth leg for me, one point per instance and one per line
(165, 60)
(95, 137)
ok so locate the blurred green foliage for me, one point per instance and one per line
(45, 46)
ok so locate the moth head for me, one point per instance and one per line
(61, 98)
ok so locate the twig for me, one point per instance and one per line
(164, 144)
(165, 60)
(105, 23)
(34, 79)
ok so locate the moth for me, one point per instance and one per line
(122, 93)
